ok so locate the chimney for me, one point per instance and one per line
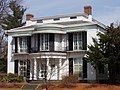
(29, 16)
(88, 10)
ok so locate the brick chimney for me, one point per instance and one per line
(88, 10)
(29, 16)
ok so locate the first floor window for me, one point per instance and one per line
(77, 66)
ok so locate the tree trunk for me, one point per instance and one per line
(112, 73)
(97, 75)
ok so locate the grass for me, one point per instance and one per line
(78, 86)
(84, 86)
(10, 89)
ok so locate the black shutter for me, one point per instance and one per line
(70, 66)
(84, 68)
(84, 40)
(16, 45)
(28, 68)
(16, 66)
(51, 41)
(38, 47)
(29, 44)
(70, 40)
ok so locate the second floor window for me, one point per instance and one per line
(44, 42)
(77, 41)
(23, 44)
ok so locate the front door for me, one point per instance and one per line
(24, 68)
(42, 71)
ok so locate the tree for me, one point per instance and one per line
(11, 14)
(3, 8)
(3, 43)
(15, 16)
(95, 56)
(106, 50)
(3, 47)
(3, 40)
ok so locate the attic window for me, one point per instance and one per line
(39, 21)
(74, 17)
(56, 19)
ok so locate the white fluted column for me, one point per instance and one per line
(59, 69)
(35, 69)
(48, 68)
(31, 70)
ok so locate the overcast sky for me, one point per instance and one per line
(105, 11)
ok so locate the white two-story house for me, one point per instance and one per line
(53, 44)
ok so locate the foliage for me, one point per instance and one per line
(106, 50)
(12, 78)
(14, 17)
(3, 65)
(3, 43)
(3, 54)
(11, 14)
(3, 8)
(68, 81)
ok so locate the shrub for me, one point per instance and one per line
(68, 81)
(2, 75)
(12, 78)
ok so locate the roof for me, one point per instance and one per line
(86, 22)
(70, 15)
(59, 16)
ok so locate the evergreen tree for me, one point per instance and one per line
(12, 19)
(106, 50)
(15, 16)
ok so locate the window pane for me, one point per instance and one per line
(75, 41)
(23, 44)
(44, 41)
(76, 61)
(77, 66)
(80, 40)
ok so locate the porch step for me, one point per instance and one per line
(36, 82)
(30, 87)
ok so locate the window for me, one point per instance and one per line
(22, 68)
(13, 45)
(39, 21)
(77, 65)
(77, 41)
(44, 44)
(74, 17)
(23, 44)
(56, 19)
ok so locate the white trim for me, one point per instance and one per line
(17, 35)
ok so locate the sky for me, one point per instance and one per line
(105, 11)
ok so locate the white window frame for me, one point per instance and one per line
(44, 42)
(23, 44)
(77, 41)
(13, 45)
